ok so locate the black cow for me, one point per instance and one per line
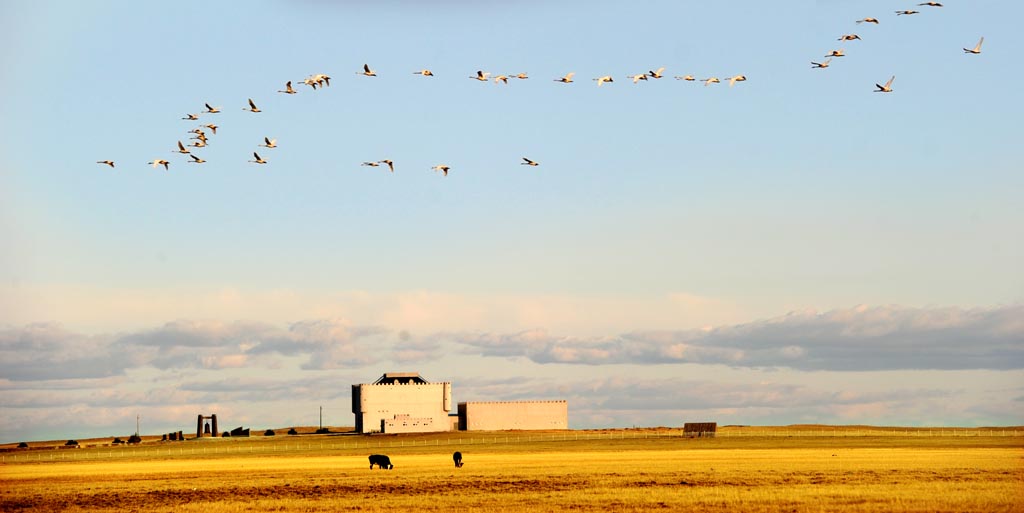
(381, 461)
(457, 457)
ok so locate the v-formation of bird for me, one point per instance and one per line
(322, 80)
(879, 88)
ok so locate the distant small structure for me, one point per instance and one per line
(207, 431)
(292, 431)
(700, 429)
(238, 431)
(135, 439)
(22, 445)
(71, 443)
(269, 432)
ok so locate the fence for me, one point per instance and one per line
(271, 446)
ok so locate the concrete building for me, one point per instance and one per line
(402, 402)
(513, 415)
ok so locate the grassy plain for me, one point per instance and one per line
(769, 474)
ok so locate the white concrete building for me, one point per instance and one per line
(513, 415)
(402, 402)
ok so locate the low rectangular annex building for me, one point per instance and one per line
(513, 415)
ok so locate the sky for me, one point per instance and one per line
(796, 248)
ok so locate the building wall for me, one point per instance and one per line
(428, 403)
(507, 415)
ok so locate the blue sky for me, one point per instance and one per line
(660, 211)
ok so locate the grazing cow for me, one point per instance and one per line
(458, 459)
(381, 461)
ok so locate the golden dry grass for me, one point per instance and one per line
(586, 476)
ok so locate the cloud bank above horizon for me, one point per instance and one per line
(798, 367)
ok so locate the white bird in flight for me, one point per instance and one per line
(836, 53)
(977, 48)
(528, 162)
(737, 78)
(107, 162)
(181, 148)
(657, 73)
(602, 80)
(367, 71)
(887, 88)
(191, 117)
(712, 80)
(424, 72)
(868, 20)
(636, 78)
(688, 78)
(931, 4)
(821, 65)
(160, 162)
(196, 160)
(211, 110)
(371, 164)
(390, 164)
(520, 76)
(252, 107)
(212, 127)
(501, 78)
(258, 159)
(269, 143)
(849, 37)
(906, 13)
(441, 167)
(567, 79)
(481, 76)
(288, 88)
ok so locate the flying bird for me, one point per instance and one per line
(199, 144)
(367, 71)
(521, 76)
(196, 160)
(288, 88)
(977, 49)
(737, 78)
(836, 53)
(601, 80)
(712, 80)
(390, 164)
(481, 76)
(252, 107)
(181, 148)
(107, 162)
(657, 73)
(269, 143)
(848, 37)
(160, 162)
(688, 78)
(311, 82)
(212, 127)
(191, 117)
(636, 78)
(887, 88)
(442, 168)
(868, 20)
(501, 78)
(567, 79)
(424, 72)
(258, 159)
(371, 164)
(211, 110)
(323, 80)
(931, 4)
(902, 13)
(821, 65)
(528, 162)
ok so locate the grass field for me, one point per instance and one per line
(757, 474)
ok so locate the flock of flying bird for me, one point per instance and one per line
(198, 134)
(887, 87)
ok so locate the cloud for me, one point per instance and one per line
(855, 339)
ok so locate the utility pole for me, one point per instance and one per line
(137, 424)
(321, 418)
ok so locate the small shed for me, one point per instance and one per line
(700, 429)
